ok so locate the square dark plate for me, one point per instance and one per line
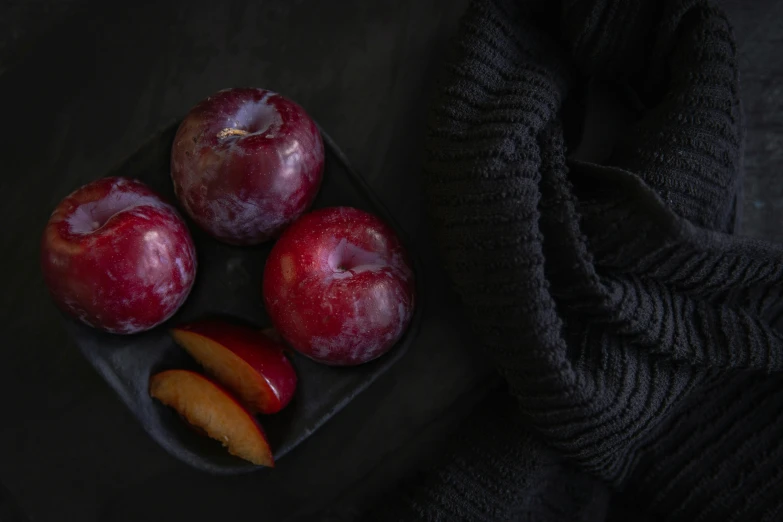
(228, 283)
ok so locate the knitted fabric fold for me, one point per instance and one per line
(638, 334)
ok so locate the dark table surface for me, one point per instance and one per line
(83, 85)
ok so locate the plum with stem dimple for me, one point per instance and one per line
(117, 257)
(339, 287)
(245, 163)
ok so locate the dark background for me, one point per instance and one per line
(83, 84)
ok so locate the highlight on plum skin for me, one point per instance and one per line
(339, 287)
(117, 257)
(245, 163)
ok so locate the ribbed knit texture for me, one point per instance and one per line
(639, 336)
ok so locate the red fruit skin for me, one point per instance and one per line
(245, 189)
(339, 287)
(266, 356)
(117, 257)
